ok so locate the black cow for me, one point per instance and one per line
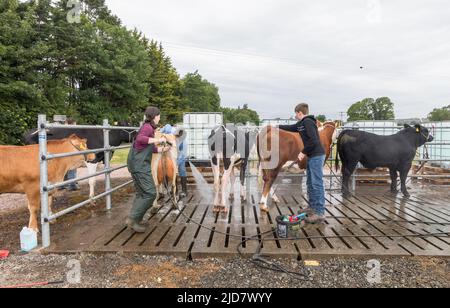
(95, 140)
(233, 145)
(395, 152)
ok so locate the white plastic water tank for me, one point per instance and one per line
(198, 128)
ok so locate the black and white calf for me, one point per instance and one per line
(395, 152)
(233, 146)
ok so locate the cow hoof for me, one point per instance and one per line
(217, 209)
(264, 208)
(93, 203)
(231, 197)
(243, 199)
(224, 210)
(155, 209)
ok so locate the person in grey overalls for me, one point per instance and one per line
(139, 165)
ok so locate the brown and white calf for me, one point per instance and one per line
(20, 172)
(277, 147)
(165, 169)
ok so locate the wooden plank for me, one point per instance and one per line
(402, 243)
(360, 209)
(274, 247)
(384, 213)
(149, 243)
(214, 244)
(416, 212)
(250, 246)
(391, 246)
(167, 245)
(442, 244)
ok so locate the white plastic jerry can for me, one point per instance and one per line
(28, 239)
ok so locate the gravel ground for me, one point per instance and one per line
(14, 212)
(160, 272)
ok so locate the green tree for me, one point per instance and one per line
(164, 84)
(361, 111)
(199, 95)
(90, 70)
(241, 115)
(322, 118)
(24, 71)
(372, 110)
(383, 109)
(440, 114)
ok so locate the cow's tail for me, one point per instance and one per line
(259, 159)
(338, 151)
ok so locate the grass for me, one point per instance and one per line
(120, 157)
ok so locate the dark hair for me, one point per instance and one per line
(303, 108)
(150, 114)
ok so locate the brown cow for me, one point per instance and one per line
(164, 168)
(277, 147)
(20, 172)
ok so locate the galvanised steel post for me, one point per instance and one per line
(43, 163)
(107, 164)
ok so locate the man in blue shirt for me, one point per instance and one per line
(315, 153)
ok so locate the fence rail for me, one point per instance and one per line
(45, 157)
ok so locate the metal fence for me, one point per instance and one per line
(46, 187)
(45, 157)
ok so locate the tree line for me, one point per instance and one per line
(89, 68)
(382, 109)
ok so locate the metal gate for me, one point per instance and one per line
(45, 157)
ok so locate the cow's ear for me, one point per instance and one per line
(407, 126)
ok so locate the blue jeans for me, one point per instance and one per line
(316, 188)
(71, 175)
(181, 162)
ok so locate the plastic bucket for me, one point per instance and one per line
(286, 229)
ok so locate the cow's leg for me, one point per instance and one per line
(50, 203)
(215, 164)
(92, 169)
(403, 177)
(225, 182)
(232, 183)
(34, 203)
(269, 179)
(174, 192)
(158, 185)
(156, 205)
(394, 178)
(348, 169)
(273, 195)
(242, 178)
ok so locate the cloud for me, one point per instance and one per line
(272, 54)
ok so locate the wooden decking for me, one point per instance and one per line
(372, 224)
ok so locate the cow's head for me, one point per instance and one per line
(127, 136)
(81, 145)
(171, 142)
(422, 133)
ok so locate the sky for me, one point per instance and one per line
(274, 54)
